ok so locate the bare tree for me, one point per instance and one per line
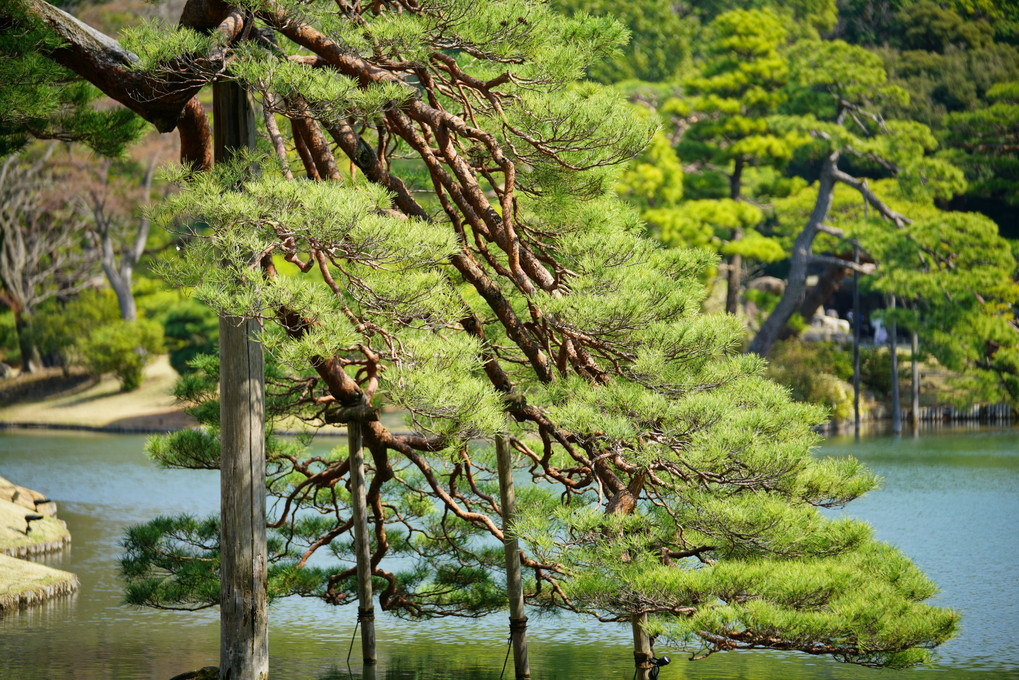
(113, 232)
(41, 253)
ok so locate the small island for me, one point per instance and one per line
(29, 526)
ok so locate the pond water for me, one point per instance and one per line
(949, 501)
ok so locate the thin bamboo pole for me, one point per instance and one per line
(915, 382)
(856, 342)
(894, 347)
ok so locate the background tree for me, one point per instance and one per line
(838, 87)
(985, 144)
(111, 233)
(659, 40)
(728, 132)
(479, 269)
(954, 274)
(42, 254)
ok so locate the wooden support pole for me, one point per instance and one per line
(641, 647)
(511, 546)
(894, 346)
(359, 510)
(915, 382)
(856, 342)
(244, 630)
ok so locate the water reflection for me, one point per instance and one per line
(949, 501)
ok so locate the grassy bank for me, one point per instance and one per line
(94, 404)
(24, 583)
(47, 534)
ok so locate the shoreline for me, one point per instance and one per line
(76, 427)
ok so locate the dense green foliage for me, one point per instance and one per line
(817, 373)
(123, 348)
(190, 329)
(659, 39)
(477, 269)
(41, 99)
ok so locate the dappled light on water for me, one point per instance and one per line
(949, 502)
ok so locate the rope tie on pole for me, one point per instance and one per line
(365, 614)
(515, 625)
(641, 658)
(354, 635)
(509, 646)
(653, 662)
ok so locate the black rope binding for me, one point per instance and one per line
(509, 646)
(515, 625)
(656, 664)
(351, 649)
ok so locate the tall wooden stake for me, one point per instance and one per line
(514, 583)
(856, 342)
(359, 510)
(244, 630)
(915, 383)
(641, 646)
(894, 345)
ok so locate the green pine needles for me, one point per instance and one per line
(457, 251)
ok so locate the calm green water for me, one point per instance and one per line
(949, 500)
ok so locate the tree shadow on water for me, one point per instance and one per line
(425, 668)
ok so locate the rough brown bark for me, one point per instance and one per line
(828, 283)
(796, 282)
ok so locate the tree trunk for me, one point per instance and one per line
(735, 277)
(125, 300)
(511, 547)
(827, 283)
(362, 550)
(120, 277)
(244, 650)
(796, 283)
(244, 639)
(30, 359)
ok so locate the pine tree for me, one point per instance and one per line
(985, 143)
(465, 259)
(729, 131)
(954, 274)
(835, 96)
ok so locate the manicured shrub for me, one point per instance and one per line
(123, 348)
